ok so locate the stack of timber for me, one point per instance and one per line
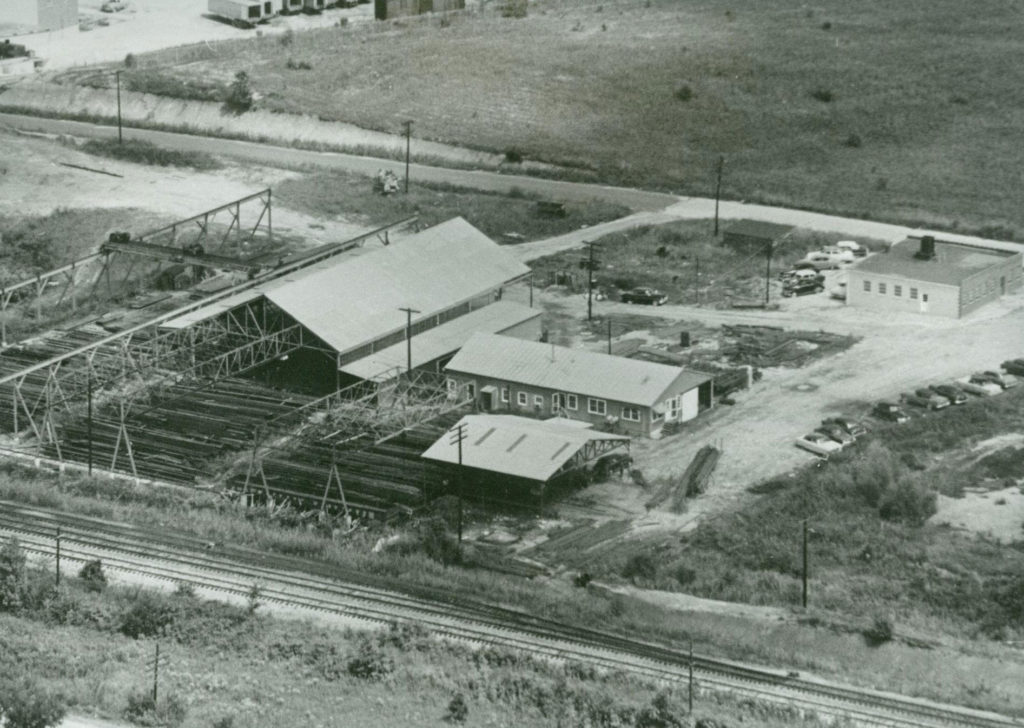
(580, 545)
(695, 478)
(772, 346)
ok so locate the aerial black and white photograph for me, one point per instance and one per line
(511, 364)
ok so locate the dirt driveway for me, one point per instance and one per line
(756, 435)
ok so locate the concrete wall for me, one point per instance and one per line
(988, 285)
(933, 299)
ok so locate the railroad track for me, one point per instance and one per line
(173, 558)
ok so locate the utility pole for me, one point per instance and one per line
(718, 189)
(408, 336)
(767, 272)
(58, 555)
(609, 336)
(804, 593)
(458, 434)
(591, 264)
(157, 661)
(117, 75)
(88, 422)
(408, 135)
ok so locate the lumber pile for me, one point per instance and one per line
(772, 346)
(695, 478)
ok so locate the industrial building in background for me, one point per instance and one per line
(37, 16)
(387, 9)
(535, 379)
(934, 277)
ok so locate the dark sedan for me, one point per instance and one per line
(647, 296)
(951, 392)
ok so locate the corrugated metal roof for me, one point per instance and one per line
(758, 229)
(518, 446)
(570, 370)
(953, 262)
(357, 300)
(444, 339)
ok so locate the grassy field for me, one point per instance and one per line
(892, 110)
(670, 258)
(506, 219)
(227, 665)
(142, 152)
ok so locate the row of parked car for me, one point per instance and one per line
(806, 277)
(835, 433)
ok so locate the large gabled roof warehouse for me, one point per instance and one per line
(520, 376)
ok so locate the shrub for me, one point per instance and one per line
(437, 542)
(685, 575)
(659, 714)
(370, 663)
(640, 565)
(287, 38)
(826, 25)
(252, 600)
(92, 576)
(823, 95)
(909, 501)
(145, 711)
(13, 576)
(684, 92)
(143, 152)
(226, 721)
(239, 98)
(513, 155)
(147, 615)
(23, 704)
(853, 141)
(457, 711)
(130, 61)
(294, 65)
(879, 632)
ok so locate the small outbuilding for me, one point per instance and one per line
(542, 380)
(934, 277)
(754, 234)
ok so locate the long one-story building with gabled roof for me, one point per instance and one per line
(542, 380)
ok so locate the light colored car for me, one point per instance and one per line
(836, 434)
(844, 255)
(853, 246)
(818, 443)
(823, 261)
(982, 389)
(1003, 380)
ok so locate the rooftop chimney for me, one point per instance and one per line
(927, 249)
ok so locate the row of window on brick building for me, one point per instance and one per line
(897, 290)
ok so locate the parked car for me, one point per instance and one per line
(801, 274)
(823, 261)
(802, 286)
(853, 246)
(1014, 366)
(837, 434)
(925, 398)
(849, 425)
(844, 255)
(951, 392)
(981, 389)
(1004, 381)
(818, 443)
(648, 296)
(890, 411)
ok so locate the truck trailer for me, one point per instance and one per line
(243, 13)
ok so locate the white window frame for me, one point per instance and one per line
(522, 399)
(538, 401)
(572, 402)
(596, 406)
(629, 412)
(504, 394)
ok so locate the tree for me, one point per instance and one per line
(458, 711)
(239, 99)
(13, 576)
(92, 576)
(23, 704)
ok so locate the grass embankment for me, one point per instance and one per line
(872, 554)
(670, 257)
(233, 665)
(780, 644)
(859, 108)
(143, 152)
(505, 218)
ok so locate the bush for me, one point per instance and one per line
(513, 155)
(458, 711)
(685, 575)
(640, 565)
(143, 152)
(226, 721)
(684, 92)
(437, 542)
(239, 98)
(147, 615)
(853, 141)
(143, 710)
(92, 576)
(909, 501)
(823, 95)
(370, 663)
(130, 61)
(23, 704)
(879, 632)
(13, 576)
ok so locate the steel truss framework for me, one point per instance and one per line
(58, 289)
(128, 363)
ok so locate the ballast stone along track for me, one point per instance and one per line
(174, 558)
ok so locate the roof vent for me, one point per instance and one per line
(927, 249)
